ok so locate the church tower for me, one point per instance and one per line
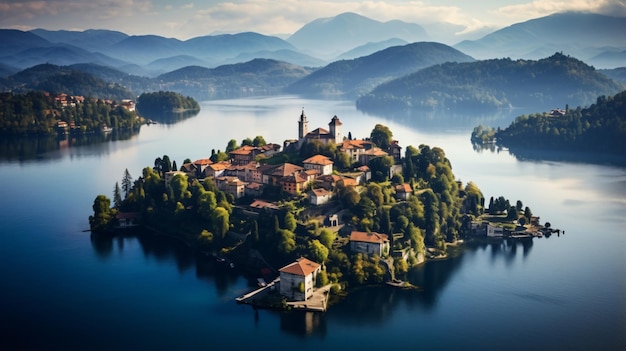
(303, 126)
(335, 129)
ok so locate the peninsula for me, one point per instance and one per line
(315, 216)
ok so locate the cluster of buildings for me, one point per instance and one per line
(242, 175)
(65, 100)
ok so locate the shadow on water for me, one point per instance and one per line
(527, 154)
(446, 119)
(368, 305)
(172, 117)
(168, 250)
(48, 147)
(302, 323)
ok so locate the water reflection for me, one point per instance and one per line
(446, 119)
(172, 117)
(303, 323)
(30, 148)
(166, 250)
(537, 155)
(369, 305)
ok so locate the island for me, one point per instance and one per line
(597, 129)
(312, 218)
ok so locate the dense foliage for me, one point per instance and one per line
(60, 79)
(352, 78)
(600, 127)
(497, 83)
(253, 78)
(435, 212)
(165, 101)
(39, 113)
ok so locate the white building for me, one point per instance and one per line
(320, 163)
(297, 280)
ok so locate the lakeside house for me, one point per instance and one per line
(297, 279)
(369, 243)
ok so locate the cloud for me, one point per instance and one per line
(202, 17)
(541, 8)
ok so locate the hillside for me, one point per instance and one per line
(599, 128)
(57, 79)
(590, 37)
(351, 78)
(253, 78)
(329, 37)
(501, 83)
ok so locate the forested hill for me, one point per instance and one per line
(351, 78)
(63, 79)
(252, 78)
(600, 127)
(165, 101)
(541, 85)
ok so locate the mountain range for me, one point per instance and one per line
(595, 39)
(383, 63)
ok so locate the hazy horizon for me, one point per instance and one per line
(282, 18)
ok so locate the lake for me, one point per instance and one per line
(65, 290)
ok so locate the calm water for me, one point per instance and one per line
(63, 289)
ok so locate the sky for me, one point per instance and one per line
(188, 18)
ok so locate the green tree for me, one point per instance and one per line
(102, 214)
(127, 183)
(232, 145)
(117, 196)
(286, 241)
(381, 136)
(221, 222)
(258, 141)
(327, 237)
(321, 279)
(318, 252)
(290, 222)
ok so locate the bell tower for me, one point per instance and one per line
(335, 129)
(303, 126)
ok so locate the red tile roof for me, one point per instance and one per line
(319, 160)
(372, 237)
(404, 188)
(302, 267)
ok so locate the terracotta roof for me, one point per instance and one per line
(262, 204)
(355, 144)
(285, 170)
(320, 192)
(375, 152)
(219, 166)
(349, 181)
(302, 267)
(254, 186)
(319, 160)
(203, 161)
(300, 177)
(188, 167)
(404, 188)
(372, 237)
(329, 178)
(244, 150)
(318, 131)
(363, 168)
